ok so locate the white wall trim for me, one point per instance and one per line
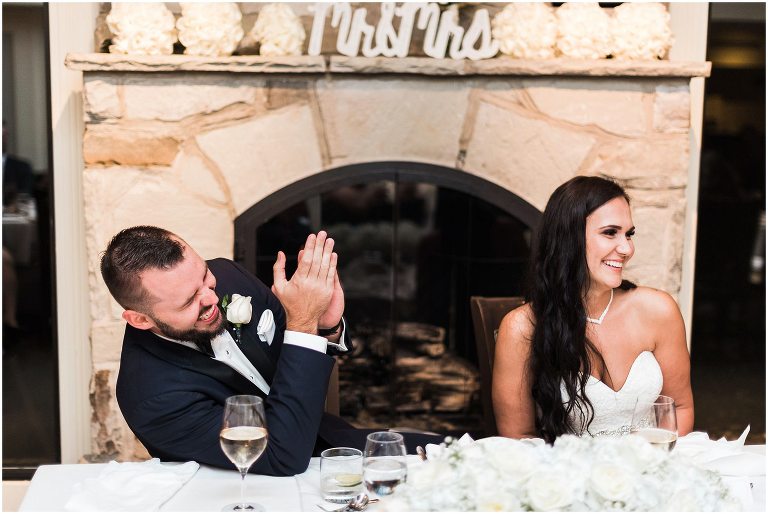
(689, 23)
(71, 28)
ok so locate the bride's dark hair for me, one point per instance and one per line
(558, 280)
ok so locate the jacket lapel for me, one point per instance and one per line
(197, 361)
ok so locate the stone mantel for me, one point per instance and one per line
(409, 65)
(191, 143)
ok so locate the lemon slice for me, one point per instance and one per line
(348, 479)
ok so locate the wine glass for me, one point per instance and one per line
(243, 438)
(656, 422)
(384, 466)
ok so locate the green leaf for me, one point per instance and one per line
(225, 301)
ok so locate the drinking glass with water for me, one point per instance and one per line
(341, 474)
(384, 464)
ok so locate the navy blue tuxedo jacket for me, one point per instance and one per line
(173, 396)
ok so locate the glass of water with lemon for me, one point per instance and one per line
(341, 474)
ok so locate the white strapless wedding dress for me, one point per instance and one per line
(613, 409)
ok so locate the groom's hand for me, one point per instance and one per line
(332, 316)
(307, 295)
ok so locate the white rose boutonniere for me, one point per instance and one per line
(239, 311)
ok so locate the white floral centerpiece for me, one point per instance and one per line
(279, 31)
(141, 29)
(574, 474)
(210, 29)
(640, 31)
(526, 30)
(584, 31)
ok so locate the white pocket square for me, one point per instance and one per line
(266, 327)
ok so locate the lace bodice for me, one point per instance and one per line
(613, 409)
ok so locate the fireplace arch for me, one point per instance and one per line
(415, 241)
(328, 180)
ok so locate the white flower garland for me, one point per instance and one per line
(584, 31)
(210, 29)
(640, 31)
(141, 29)
(279, 31)
(575, 474)
(526, 30)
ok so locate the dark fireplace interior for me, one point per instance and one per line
(415, 241)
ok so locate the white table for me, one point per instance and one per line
(210, 489)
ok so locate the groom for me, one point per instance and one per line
(180, 360)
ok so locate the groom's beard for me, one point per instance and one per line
(201, 338)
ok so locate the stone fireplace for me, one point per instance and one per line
(193, 144)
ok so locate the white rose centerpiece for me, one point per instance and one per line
(141, 29)
(574, 474)
(278, 31)
(210, 29)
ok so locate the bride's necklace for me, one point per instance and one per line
(599, 320)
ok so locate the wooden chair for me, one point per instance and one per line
(487, 314)
(332, 397)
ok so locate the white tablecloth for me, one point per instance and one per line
(210, 489)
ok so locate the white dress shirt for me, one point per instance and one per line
(226, 351)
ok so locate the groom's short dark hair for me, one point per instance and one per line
(132, 251)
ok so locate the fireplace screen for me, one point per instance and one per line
(411, 253)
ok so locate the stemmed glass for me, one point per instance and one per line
(656, 422)
(384, 465)
(243, 438)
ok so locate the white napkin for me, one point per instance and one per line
(727, 458)
(131, 486)
(433, 450)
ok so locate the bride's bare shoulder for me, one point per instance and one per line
(517, 324)
(653, 303)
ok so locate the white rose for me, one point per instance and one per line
(515, 460)
(548, 491)
(239, 309)
(612, 482)
(684, 500)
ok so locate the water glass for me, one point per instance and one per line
(341, 474)
(656, 422)
(384, 464)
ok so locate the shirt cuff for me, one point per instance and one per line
(311, 341)
(340, 346)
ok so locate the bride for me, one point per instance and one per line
(586, 345)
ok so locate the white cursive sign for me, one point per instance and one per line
(356, 35)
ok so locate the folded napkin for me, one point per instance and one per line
(131, 486)
(727, 458)
(433, 450)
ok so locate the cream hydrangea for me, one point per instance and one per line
(141, 29)
(279, 31)
(640, 31)
(210, 29)
(526, 30)
(584, 31)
